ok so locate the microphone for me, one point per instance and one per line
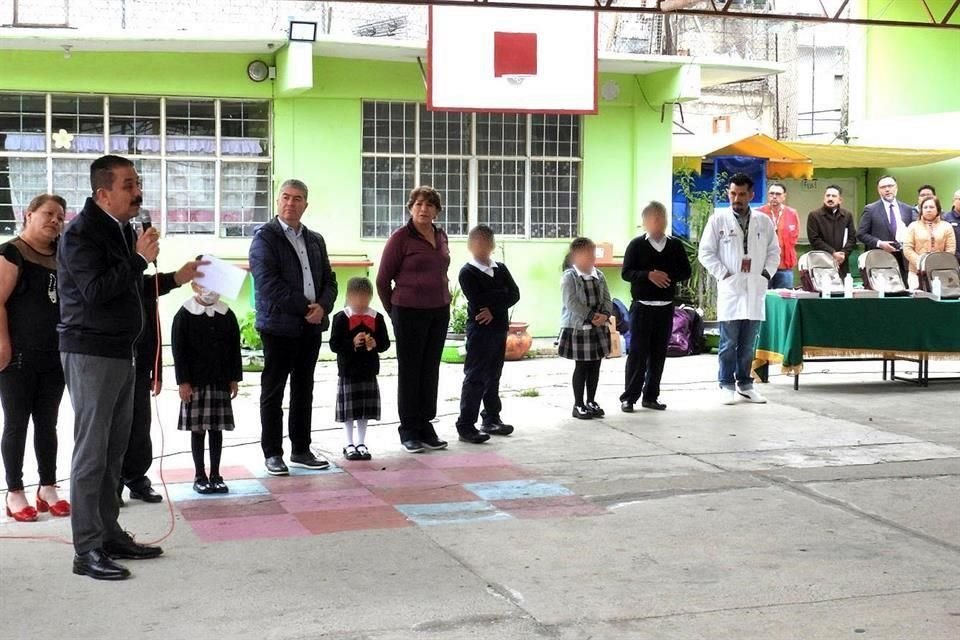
(146, 223)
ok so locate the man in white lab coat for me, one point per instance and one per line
(739, 248)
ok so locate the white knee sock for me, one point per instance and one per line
(362, 430)
(348, 429)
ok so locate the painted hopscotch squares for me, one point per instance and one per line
(388, 493)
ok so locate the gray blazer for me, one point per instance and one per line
(575, 312)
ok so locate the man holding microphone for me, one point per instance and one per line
(101, 263)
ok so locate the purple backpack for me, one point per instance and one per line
(686, 336)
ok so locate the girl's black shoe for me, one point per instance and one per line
(202, 486)
(595, 409)
(218, 485)
(580, 412)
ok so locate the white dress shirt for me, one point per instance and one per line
(295, 236)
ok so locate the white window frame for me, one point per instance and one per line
(473, 159)
(217, 158)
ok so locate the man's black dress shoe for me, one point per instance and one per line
(412, 446)
(626, 406)
(653, 404)
(308, 461)
(147, 494)
(275, 466)
(496, 428)
(474, 437)
(98, 565)
(435, 445)
(125, 548)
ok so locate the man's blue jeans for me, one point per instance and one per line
(782, 279)
(738, 340)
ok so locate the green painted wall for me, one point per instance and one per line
(911, 70)
(317, 138)
(944, 176)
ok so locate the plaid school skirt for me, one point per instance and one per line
(584, 344)
(210, 409)
(357, 399)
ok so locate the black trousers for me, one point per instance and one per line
(650, 329)
(31, 387)
(420, 334)
(481, 376)
(139, 456)
(296, 359)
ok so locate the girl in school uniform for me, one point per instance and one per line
(206, 355)
(584, 329)
(358, 335)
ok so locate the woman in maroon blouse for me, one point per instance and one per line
(413, 288)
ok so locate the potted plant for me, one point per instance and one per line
(251, 345)
(700, 290)
(455, 348)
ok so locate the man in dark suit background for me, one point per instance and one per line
(884, 222)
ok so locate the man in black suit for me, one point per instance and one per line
(884, 222)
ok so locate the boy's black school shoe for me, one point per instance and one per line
(581, 412)
(474, 437)
(435, 445)
(497, 428)
(413, 446)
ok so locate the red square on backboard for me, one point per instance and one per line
(514, 54)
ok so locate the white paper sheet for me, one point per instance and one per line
(222, 277)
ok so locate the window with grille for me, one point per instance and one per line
(520, 174)
(205, 164)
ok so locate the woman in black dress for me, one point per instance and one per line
(31, 377)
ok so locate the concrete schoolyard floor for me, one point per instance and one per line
(829, 513)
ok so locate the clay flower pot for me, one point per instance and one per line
(519, 341)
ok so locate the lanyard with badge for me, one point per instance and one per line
(746, 261)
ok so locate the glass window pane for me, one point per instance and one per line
(500, 195)
(71, 180)
(20, 180)
(449, 177)
(389, 127)
(149, 171)
(444, 133)
(191, 127)
(23, 122)
(77, 124)
(244, 128)
(555, 136)
(501, 134)
(190, 197)
(135, 126)
(244, 197)
(555, 197)
(386, 183)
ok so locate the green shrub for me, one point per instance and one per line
(249, 336)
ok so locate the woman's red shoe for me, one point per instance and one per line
(59, 509)
(27, 514)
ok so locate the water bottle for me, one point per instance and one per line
(848, 286)
(936, 288)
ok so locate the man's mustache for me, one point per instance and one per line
(137, 201)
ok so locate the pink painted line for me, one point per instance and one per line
(334, 500)
(464, 460)
(403, 478)
(249, 528)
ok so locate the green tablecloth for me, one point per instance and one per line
(861, 326)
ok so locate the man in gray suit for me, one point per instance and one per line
(884, 222)
(100, 265)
